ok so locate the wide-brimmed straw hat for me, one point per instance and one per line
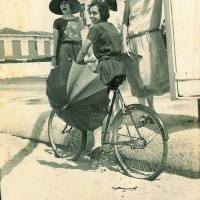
(54, 6)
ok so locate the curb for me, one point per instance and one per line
(183, 146)
(16, 70)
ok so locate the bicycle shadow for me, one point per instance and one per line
(175, 123)
(105, 162)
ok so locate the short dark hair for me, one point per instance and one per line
(103, 9)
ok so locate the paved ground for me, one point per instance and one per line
(30, 171)
(24, 112)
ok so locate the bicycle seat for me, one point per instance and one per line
(117, 81)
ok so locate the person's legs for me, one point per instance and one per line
(97, 137)
(145, 119)
(96, 150)
(142, 101)
(150, 101)
(149, 97)
(116, 105)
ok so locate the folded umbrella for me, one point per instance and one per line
(86, 99)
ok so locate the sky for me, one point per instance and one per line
(27, 15)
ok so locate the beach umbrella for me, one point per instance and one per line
(84, 103)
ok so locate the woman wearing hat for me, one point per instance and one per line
(67, 35)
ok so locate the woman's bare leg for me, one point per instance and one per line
(142, 101)
(150, 101)
(97, 137)
(116, 105)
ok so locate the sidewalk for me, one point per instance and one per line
(25, 114)
(13, 70)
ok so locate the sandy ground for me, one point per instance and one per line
(29, 169)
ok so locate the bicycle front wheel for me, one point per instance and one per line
(141, 142)
(66, 141)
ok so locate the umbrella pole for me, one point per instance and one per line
(110, 113)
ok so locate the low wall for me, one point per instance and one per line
(14, 70)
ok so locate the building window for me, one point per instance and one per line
(40, 48)
(24, 46)
(8, 48)
(51, 48)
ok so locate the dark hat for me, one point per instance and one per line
(112, 4)
(54, 6)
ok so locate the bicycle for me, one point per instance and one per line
(137, 135)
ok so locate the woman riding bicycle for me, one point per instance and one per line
(141, 147)
(107, 48)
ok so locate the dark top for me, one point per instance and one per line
(107, 43)
(69, 30)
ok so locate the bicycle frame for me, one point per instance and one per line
(123, 108)
(124, 137)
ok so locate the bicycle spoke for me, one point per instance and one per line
(145, 149)
(65, 140)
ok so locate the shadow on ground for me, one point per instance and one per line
(175, 123)
(28, 149)
(84, 163)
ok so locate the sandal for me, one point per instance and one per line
(151, 121)
(144, 120)
(95, 153)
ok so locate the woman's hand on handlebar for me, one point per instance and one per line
(90, 58)
(90, 61)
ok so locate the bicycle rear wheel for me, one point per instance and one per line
(142, 142)
(66, 141)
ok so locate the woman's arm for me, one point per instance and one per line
(125, 26)
(55, 38)
(83, 51)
